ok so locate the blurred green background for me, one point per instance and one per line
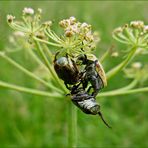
(32, 121)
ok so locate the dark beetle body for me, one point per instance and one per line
(94, 74)
(85, 102)
(67, 70)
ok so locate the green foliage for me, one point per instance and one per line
(28, 120)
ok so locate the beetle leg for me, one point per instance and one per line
(84, 84)
(88, 90)
(79, 98)
(96, 84)
(67, 86)
(75, 87)
(55, 57)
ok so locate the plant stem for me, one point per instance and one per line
(36, 58)
(72, 126)
(49, 67)
(123, 64)
(130, 86)
(106, 54)
(46, 42)
(55, 95)
(124, 92)
(29, 90)
(27, 72)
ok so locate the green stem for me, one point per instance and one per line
(49, 53)
(72, 126)
(124, 92)
(130, 86)
(46, 42)
(106, 54)
(55, 95)
(29, 90)
(27, 72)
(49, 67)
(123, 64)
(51, 36)
(35, 57)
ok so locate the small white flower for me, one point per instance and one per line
(10, 18)
(72, 20)
(137, 24)
(89, 36)
(47, 24)
(64, 23)
(28, 11)
(137, 65)
(69, 33)
(75, 28)
(84, 25)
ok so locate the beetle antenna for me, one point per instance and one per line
(100, 114)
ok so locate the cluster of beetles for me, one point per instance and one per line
(84, 77)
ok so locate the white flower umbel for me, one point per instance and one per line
(133, 34)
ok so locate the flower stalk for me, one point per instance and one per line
(123, 64)
(72, 125)
(123, 92)
(29, 90)
(27, 72)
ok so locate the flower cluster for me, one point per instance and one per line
(81, 31)
(78, 37)
(133, 34)
(30, 23)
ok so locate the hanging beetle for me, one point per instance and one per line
(87, 103)
(68, 71)
(94, 73)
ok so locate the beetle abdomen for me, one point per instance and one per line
(86, 102)
(66, 70)
(89, 106)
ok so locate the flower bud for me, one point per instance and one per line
(28, 11)
(47, 24)
(63, 24)
(68, 33)
(10, 18)
(72, 20)
(137, 24)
